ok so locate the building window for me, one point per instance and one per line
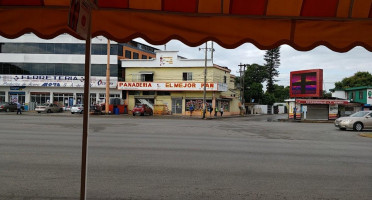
(360, 95)
(148, 93)
(2, 97)
(147, 77)
(187, 76)
(163, 93)
(55, 48)
(55, 69)
(93, 99)
(128, 54)
(135, 55)
(224, 79)
(134, 92)
(144, 57)
(225, 105)
(197, 104)
(352, 96)
(40, 97)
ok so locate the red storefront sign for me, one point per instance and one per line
(322, 101)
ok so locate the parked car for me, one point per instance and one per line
(48, 108)
(142, 109)
(8, 107)
(78, 108)
(357, 121)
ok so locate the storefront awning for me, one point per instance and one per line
(303, 24)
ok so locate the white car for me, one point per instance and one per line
(78, 108)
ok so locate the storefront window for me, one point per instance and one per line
(40, 98)
(2, 97)
(225, 105)
(93, 99)
(65, 99)
(79, 98)
(197, 103)
(17, 97)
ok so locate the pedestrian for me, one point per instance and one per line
(294, 112)
(210, 109)
(221, 110)
(216, 111)
(191, 108)
(19, 108)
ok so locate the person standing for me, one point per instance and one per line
(210, 109)
(191, 108)
(216, 111)
(221, 110)
(19, 108)
(294, 112)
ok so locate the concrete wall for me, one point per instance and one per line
(259, 109)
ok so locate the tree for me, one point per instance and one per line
(281, 93)
(254, 93)
(254, 76)
(357, 80)
(268, 98)
(272, 58)
(327, 95)
(255, 73)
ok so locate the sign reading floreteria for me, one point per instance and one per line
(170, 86)
(55, 81)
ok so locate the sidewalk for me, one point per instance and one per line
(68, 113)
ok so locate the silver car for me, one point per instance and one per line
(357, 121)
(48, 108)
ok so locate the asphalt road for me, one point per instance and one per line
(161, 158)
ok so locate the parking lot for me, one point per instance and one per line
(151, 157)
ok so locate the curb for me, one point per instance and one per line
(368, 135)
(306, 121)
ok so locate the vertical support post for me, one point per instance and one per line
(205, 80)
(243, 98)
(212, 52)
(84, 153)
(241, 83)
(107, 104)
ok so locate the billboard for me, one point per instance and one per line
(306, 83)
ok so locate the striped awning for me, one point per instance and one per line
(303, 24)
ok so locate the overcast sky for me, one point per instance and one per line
(336, 66)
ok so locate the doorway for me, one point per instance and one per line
(177, 106)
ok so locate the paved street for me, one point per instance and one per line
(251, 157)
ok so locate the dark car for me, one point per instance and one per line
(8, 107)
(142, 109)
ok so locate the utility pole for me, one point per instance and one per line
(242, 82)
(205, 77)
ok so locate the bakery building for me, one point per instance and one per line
(170, 84)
